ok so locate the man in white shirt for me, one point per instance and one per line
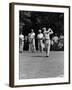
(32, 41)
(21, 42)
(47, 40)
(40, 41)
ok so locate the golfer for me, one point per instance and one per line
(47, 40)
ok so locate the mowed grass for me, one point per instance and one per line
(37, 65)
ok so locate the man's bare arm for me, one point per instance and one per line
(51, 32)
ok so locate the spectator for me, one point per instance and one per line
(21, 42)
(61, 42)
(55, 40)
(31, 37)
(40, 41)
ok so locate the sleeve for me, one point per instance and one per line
(51, 32)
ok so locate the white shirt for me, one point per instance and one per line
(61, 37)
(47, 36)
(21, 37)
(40, 36)
(55, 38)
(32, 35)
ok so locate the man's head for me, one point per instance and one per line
(61, 33)
(55, 34)
(32, 30)
(39, 31)
(44, 29)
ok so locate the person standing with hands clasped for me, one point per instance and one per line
(40, 41)
(32, 41)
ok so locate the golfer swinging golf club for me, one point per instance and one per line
(47, 40)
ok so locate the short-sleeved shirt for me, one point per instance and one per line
(55, 39)
(21, 37)
(40, 36)
(32, 35)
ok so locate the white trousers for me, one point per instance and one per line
(40, 45)
(47, 47)
(32, 45)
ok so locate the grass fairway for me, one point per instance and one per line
(37, 65)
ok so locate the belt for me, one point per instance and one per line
(47, 39)
(40, 39)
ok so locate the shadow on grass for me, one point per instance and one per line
(40, 56)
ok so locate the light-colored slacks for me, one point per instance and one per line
(47, 46)
(40, 45)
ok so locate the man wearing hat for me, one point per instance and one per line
(40, 41)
